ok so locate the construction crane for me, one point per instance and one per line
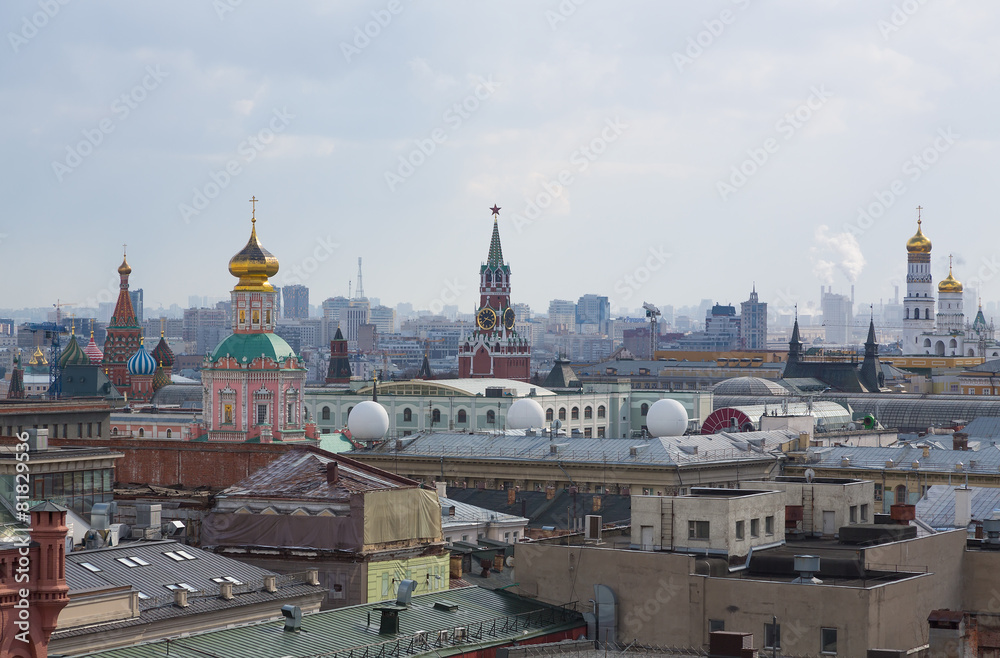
(58, 305)
(652, 313)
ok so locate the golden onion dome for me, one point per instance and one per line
(124, 268)
(918, 244)
(253, 264)
(950, 284)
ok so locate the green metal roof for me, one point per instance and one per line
(489, 618)
(252, 346)
(335, 442)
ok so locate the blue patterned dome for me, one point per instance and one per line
(141, 363)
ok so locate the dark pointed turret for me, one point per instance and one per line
(795, 344)
(339, 371)
(871, 370)
(425, 369)
(15, 391)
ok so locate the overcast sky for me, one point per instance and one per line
(680, 150)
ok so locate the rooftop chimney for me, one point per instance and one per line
(332, 472)
(226, 591)
(442, 489)
(963, 506)
(807, 566)
(960, 441)
(271, 583)
(38, 439)
(181, 598)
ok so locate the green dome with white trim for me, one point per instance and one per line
(253, 346)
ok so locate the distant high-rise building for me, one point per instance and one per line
(753, 323)
(562, 316)
(296, 298)
(136, 296)
(594, 309)
(384, 318)
(332, 306)
(838, 317)
(356, 314)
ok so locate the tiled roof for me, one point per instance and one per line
(301, 474)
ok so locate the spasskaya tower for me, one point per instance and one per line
(494, 349)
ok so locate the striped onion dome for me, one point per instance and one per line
(141, 363)
(93, 352)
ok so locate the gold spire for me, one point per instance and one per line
(950, 284)
(253, 264)
(918, 244)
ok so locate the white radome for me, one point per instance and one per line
(525, 414)
(368, 421)
(666, 418)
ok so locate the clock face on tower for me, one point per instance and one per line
(486, 319)
(508, 318)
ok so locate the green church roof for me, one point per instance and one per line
(252, 346)
(73, 355)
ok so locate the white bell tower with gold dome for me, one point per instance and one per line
(918, 305)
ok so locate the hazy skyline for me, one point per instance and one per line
(680, 151)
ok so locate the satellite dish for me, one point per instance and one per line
(852, 426)
(509, 561)
(558, 424)
(810, 474)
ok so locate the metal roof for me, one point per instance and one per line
(937, 507)
(466, 513)
(986, 460)
(301, 474)
(749, 386)
(983, 429)
(113, 570)
(468, 386)
(488, 618)
(682, 450)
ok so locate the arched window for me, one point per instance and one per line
(907, 314)
(407, 415)
(491, 417)
(169, 434)
(644, 409)
(462, 417)
(562, 413)
(141, 433)
(601, 412)
(588, 412)
(114, 430)
(548, 415)
(575, 413)
(325, 414)
(900, 494)
(927, 314)
(349, 409)
(436, 416)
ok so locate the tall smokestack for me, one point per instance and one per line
(895, 299)
(852, 294)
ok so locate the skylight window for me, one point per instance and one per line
(227, 579)
(139, 561)
(90, 567)
(143, 596)
(127, 562)
(174, 556)
(186, 555)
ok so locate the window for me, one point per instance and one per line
(716, 625)
(601, 411)
(740, 529)
(462, 417)
(769, 525)
(179, 556)
(436, 416)
(169, 434)
(142, 433)
(407, 415)
(600, 432)
(772, 636)
(853, 513)
(90, 567)
(588, 432)
(465, 537)
(575, 413)
(644, 409)
(588, 413)
(697, 529)
(864, 513)
(325, 414)
(261, 414)
(227, 416)
(548, 415)
(878, 491)
(562, 413)
(491, 417)
(755, 527)
(79, 430)
(90, 430)
(114, 431)
(828, 640)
